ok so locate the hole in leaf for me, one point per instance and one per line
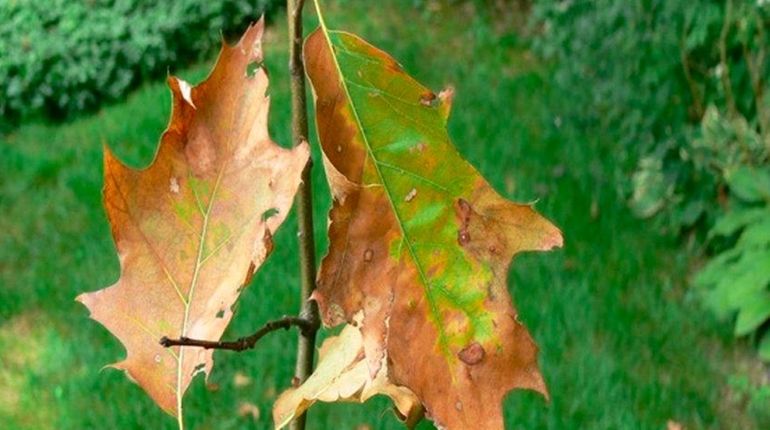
(252, 68)
(221, 313)
(198, 368)
(269, 213)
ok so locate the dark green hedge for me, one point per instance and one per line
(60, 57)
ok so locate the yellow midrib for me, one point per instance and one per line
(191, 292)
(443, 341)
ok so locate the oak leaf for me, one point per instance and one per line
(343, 375)
(420, 244)
(191, 229)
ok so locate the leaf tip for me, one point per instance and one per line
(86, 299)
(553, 240)
(445, 98)
(252, 40)
(107, 155)
(80, 298)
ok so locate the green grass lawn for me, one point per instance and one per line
(623, 343)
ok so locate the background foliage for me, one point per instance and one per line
(645, 72)
(564, 109)
(60, 57)
(681, 86)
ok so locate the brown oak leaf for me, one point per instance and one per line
(191, 229)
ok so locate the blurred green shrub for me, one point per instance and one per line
(59, 57)
(681, 86)
(643, 72)
(690, 184)
(737, 279)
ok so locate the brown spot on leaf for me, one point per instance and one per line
(464, 208)
(427, 99)
(249, 275)
(472, 354)
(464, 211)
(268, 240)
(463, 237)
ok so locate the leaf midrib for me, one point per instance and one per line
(443, 341)
(191, 291)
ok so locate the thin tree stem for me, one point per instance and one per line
(727, 84)
(243, 343)
(697, 110)
(756, 67)
(299, 129)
